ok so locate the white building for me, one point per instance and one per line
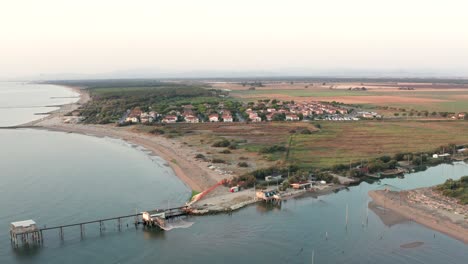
(214, 118)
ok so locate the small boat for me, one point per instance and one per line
(393, 172)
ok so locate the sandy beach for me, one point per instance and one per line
(424, 215)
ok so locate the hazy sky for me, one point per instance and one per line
(99, 36)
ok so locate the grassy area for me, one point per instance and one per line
(345, 142)
(193, 194)
(249, 141)
(335, 143)
(456, 189)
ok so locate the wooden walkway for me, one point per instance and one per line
(168, 213)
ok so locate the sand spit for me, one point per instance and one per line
(405, 204)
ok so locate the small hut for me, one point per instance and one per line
(27, 231)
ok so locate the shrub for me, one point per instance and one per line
(385, 158)
(226, 151)
(157, 131)
(306, 132)
(218, 161)
(233, 146)
(200, 156)
(272, 149)
(221, 144)
(243, 164)
(399, 156)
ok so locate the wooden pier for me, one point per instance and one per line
(29, 233)
(159, 218)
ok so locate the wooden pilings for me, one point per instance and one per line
(27, 238)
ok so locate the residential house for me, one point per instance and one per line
(254, 117)
(169, 119)
(191, 119)
(269, 117)
(214, 118)
(292, 117)
(146, 118)
(134, 116)
(227, 117)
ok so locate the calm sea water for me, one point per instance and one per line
(58, 178)
(22, 102)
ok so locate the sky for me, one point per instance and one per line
(291, 37)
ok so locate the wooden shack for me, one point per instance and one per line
(268, 195)
(27, 231)
(154, 218)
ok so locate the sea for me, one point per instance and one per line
(60, 178)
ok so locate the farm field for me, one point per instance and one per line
(419, 96)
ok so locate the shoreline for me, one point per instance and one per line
(84, 97)
(167, 149)
(425, 217)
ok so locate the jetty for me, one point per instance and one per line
(27, 232)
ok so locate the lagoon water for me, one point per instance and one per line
(57, 178)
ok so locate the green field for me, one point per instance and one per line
(344, 142)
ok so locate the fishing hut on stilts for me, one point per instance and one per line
(25, 232)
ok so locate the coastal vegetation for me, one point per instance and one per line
(112, 99)
(457, 189)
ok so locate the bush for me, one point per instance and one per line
(157, 131)
(221, 144)
(385, 158)
(226, 151)
(272, 149)
(306, 132)
(233, 146)
(243, 164)
(200, 156)
(245, 181)
(399, 156)
(218, 161)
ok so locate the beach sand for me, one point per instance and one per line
(423, 215)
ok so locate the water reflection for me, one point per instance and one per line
(150, 233)
(27, 251)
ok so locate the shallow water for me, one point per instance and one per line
(21, 102)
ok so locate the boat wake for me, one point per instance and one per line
(177, 224)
